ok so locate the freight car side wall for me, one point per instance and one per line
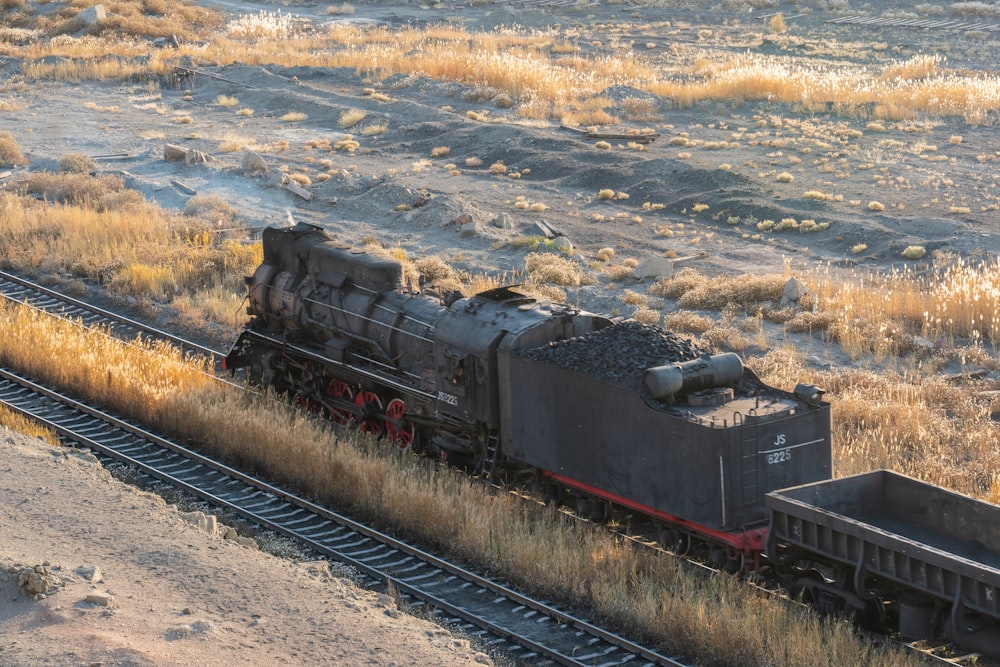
(923, 537)
(606, 437)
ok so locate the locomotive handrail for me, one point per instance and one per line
(369, 319)
(314, 356)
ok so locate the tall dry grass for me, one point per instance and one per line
(523, 65)
(134, 249)
(915, 422)
(716, 621)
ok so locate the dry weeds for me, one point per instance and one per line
(719, 620)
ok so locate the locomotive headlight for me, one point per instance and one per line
(809, 394)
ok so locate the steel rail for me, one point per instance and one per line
(536, 631)
(15, 288)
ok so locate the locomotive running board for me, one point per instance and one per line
(319, 358)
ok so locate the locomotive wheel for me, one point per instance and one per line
(402, 436)
(339, 389)
(309, 405)
(597, 510)
(675, 541)
(371, 412)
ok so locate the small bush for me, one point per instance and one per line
(440, 151)
(547, 268)
(876, 206)
(914, 252)
(76, 163)
(498, 168)
(211, 208)
(350, 118)
(10, 152)
(294, 117)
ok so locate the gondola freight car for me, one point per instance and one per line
(884, 542)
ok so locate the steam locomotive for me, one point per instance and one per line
(601, 415)
(498, 381)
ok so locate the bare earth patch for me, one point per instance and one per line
(133, 581)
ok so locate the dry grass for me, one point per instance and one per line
(920, 424)
(718, 620)
(695, 291)
(351, 117)
(210, 208)
(76, 163)
(10, 152)
(522, 66)
(31, 428)
(132, 247)
(550, 268)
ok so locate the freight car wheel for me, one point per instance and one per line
(338, 389)
(675, 541)
(371, 412)
(401, 434)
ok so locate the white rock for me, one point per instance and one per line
(253, 163)
(792, 292)
(92, 15)
(654, 267)
(562, 243)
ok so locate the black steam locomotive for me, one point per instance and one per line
(605, 414)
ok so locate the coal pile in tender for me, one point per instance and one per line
(618, 353)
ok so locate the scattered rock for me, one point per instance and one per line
(654, 267)
(502, 221)
(469, 228)
(92, 15)
(297, 189)
(421, 199)
(100, 599)
(207, 523)
(562, 243)
(253, 163)
(275, 177)
(793, 290)
(190, 156)
(463, 219)
(195, 156)
(90, 573)
(818, 363)
(36, 581)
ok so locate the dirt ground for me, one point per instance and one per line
(167, 592)
(735, 163)
(183, 597)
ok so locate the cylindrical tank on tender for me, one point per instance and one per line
(717, 370)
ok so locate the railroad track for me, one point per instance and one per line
(529, 630)
(458, 596)
(20, 290)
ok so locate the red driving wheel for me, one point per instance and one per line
(371, 412)
(402, 433)
(339, 389)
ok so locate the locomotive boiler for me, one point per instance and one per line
(599, 413)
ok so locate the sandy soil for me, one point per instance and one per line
(933, 177)
(178, 595)
(183, 597)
